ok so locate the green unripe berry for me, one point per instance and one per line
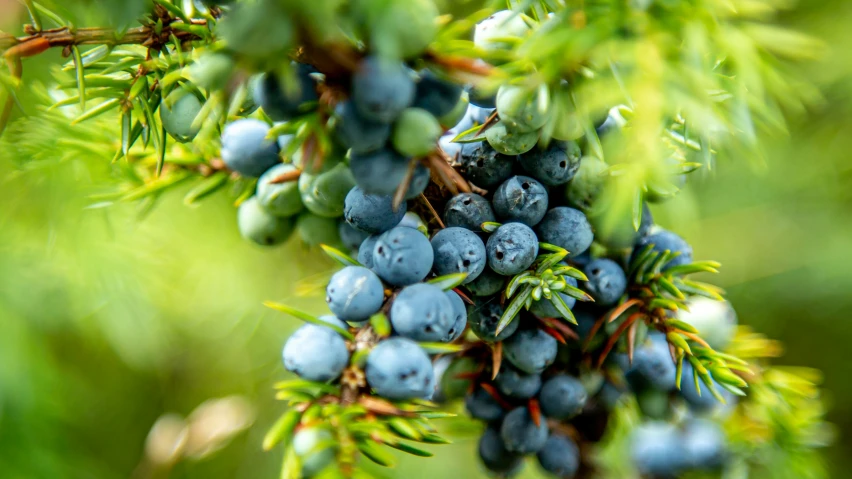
(316, 230)
(587, 184)
(415, 132)
(452, 386)
(508, 141)
(523, 109)
(398, 29)
(257, 225)
(324, 194)
(279, 199)
(212, 71)
(177, 119)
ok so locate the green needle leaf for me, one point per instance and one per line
(206, 187)
(307, 318)
(375, 453)
(514, 308)
(563, 308)
(339, 256)
(449, 281)
(441, 348)
(98, 110)
(381, 325)
(282, 430)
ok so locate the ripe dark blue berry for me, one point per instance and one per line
(554, 165)
(371, 213)
(517, 384)
(607, 282)
(559, 456)
(488, 283)
(530, 350)
(521, 199)
(468, 210)
(245, 148)
(381, 89)
(435, 95)
(354, 294)
(423, 312)
(402, 256)
(653, 365)
(562, 397)
(480, 404)
(281, 101)
(365, 251)
(458, 250)
(657, 450)
(484, 166)
(520, 433)
(567, 228)
(512, 248)
(495, 457)
(397, 368)
(705, 445)
(460, 315)
(484, 316)
(308, 445)
(354, 132)
(351, 236)
(378, 172)
(316, 353)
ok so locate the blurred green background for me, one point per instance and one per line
(108, 322)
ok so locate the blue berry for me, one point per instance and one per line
(419, 182)
(657, 450)
(423, 312)
(378, 172)
(435, 95)
(460, 315)
(562, 397)
(458, 250)
(483, 318)
(483, 166)
(351, 236)
(607, 282)
(313, 458)
(666, 240)
(495, 457)
(567, 228)
(559, 456)
(381, 89)
(245, 148)
(397, 368)
(468, 210)
(544, 308)
(402, 256)
(554, 165)
(512, 248)
(371, 213)
(520, 434)
(412, 220)
(705, 444)
(365, 251)
(283, 102)
(257, 225)
(279, 199)
(521, 199)
(530, 350)
(480, 404)
(316, 353)
(653, 365)
(488, 283)
(178, 119)
(450, 147)
(356, 133)
(516, 384)
(354, 294)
